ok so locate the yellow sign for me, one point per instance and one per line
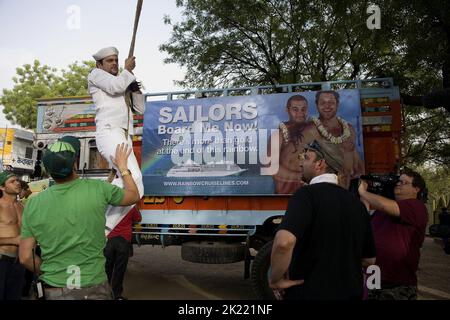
(6, 140)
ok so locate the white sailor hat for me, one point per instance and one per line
(105, 52)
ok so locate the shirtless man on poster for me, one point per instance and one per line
(289, 176)
(329, 127)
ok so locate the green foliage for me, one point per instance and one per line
(438, 185)
(38, 81)
(74, 80)
(233, 43)
(254, 42)
(32, 82)
(426, 137)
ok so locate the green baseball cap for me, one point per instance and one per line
(73, 141)
(5, 175)
(58, 159)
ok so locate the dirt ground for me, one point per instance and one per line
(160, 274)
(434, 272)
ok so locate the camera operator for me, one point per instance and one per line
(399, 231)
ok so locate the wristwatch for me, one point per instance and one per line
(125, 172)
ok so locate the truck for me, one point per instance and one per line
(206, 166)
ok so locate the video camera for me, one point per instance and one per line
(442, 230)
(382, 185)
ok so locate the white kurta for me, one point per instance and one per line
(112, 118)
(108, 91)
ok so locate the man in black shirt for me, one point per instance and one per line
(325, 237)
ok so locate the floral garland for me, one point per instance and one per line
(285, 132)
(324, 132)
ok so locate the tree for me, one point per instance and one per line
(426, 137)
(38, 81)
(247, 43)
(32, 82)
(438, 185)
(229, 43)
(424, 76)
(73, 82)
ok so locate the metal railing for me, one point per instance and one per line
(286, 88)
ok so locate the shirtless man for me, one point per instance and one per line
(329, 127)
(11, 272)
(289, 137)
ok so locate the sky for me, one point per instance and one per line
(60, 32)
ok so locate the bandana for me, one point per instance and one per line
(5, 175)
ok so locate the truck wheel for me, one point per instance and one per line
(212, 252)
(260, 271)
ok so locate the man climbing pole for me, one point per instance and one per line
(115, 97)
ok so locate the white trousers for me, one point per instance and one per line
(107, 140)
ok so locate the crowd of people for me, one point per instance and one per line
(67, 224)
(326, 239)
(327, 236)
(75, 237)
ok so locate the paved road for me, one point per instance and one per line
(161, 274)
(156, 273)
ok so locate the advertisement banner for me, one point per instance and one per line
(242, 145)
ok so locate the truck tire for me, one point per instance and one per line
(212, 252)
(259, 274)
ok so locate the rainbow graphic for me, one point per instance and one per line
(151, 160)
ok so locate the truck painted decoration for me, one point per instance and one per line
(68, 115)
(225, 145)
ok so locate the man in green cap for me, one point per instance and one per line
(12, 274)
(68, 221)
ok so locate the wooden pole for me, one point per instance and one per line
(136, 22)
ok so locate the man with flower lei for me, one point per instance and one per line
(289, 137)
(329, 127)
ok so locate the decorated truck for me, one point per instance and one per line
(210, 160)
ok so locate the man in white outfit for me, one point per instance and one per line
(114, 118)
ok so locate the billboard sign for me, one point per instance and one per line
(237, 145)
